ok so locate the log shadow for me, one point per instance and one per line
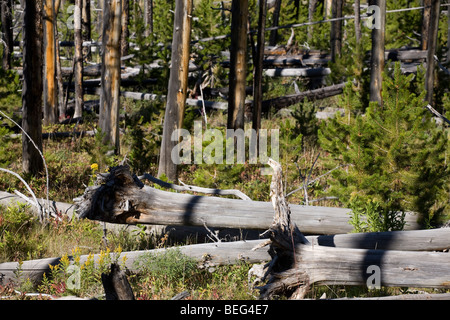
(189, 210)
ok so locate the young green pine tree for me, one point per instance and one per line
(394, 154)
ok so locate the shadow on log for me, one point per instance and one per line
(119, 197)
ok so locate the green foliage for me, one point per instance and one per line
(16, 224)
(394, 152)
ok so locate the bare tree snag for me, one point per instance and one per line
(125, 21)
(273, 37)
(431, 50)
(78, 59)
(176, 96)
(426, 16)
(336, 29)
(32, 87)
(148, 17)
(110, 82)
(377, 57)
(120, 197)
(86, 26)
(258, 68)
(358, 34)
(50, 87)
(297, 264)
(238, 64)
(7, 33)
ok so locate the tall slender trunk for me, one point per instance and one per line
(431, 50)
(110, 83)
(273, 37)
(238, 64)
(50, 86)
(336, 29)
(357, 21)
(176, 96)
(258, 68)
(32, 87)
(377, 58)
(78, 59)
(426, 16)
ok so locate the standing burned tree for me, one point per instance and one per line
(178, 80)
(32, 87)
(110, 83)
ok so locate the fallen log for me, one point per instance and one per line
(207, 254)
(297, 263)
(226, 253)
(321, 93)
(119, 197)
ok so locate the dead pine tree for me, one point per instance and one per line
(78, 59)
(377, 23)
(336, 29)
(110, 82)
(32, 87)
(176, 96)
(7, 33)
(431, 49)
(258, 68)
(50, 85)
(238, 64)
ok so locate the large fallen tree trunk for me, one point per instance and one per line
(297, 263)
(321, 93)
(119, 197)
(225, 253)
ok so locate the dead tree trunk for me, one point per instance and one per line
(50, 87)
(8, 45)
(258, 68)
(357, 21)
(59, 79)
(86, 26)
(110, 82)
(176, 97)
(148, 17)
(431, 50)
(336, 29)
(125, 21)
(426, 16)
(273, 38)
(78, 59)
(238, 64)
(297, 264)
(32, 87)
(377, 58)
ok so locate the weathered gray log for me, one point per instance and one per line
(297, 72)
(224, 253)
(297, 263)
(208, 254)
(119, 197)
(321, 93)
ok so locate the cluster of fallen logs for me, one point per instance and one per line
(323, 252)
